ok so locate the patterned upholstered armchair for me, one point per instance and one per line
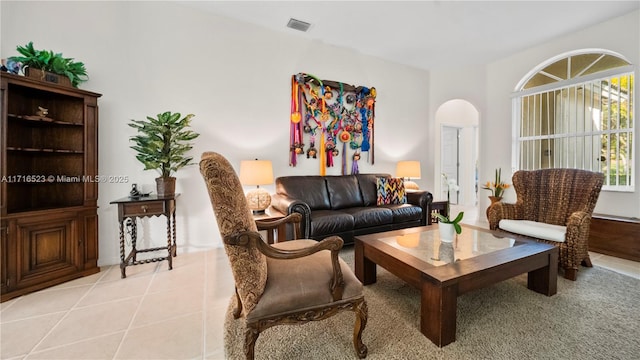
(553, 206)
(292, 282)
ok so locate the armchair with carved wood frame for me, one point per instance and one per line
(291, 282)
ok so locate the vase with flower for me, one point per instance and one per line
(497, 188)
(446, 226)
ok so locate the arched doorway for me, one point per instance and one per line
(457, 123)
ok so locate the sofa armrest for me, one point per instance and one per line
(288, 206)
(423, 199)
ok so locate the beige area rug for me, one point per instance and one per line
(595, 317)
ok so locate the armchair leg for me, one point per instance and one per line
(251, 335)
(587, 262)
(361, 311)
(571, 274)
(238, 309)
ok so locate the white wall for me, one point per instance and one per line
(150, 57)
(621, 35)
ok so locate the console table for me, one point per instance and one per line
(129, 210)
(439, 207)
(273, 235)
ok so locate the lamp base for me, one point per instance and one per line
(410, 185)
(258, 200)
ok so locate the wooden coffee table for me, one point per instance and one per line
(443, 271)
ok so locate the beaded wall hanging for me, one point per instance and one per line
(331, 120)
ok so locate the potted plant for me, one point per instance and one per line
(497, 187)
(447, 226)
(43, 64)
(162, 144)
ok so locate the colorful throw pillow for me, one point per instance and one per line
(391, 191)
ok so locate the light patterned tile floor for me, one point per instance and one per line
(153, 313)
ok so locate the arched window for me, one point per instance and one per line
(576, 111)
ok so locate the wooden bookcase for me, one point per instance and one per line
(49, 184)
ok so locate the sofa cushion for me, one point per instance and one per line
(391, 191)
(297, 284)
(369, 187)
(330, 222)
(309, 189)
(370, 216)
(534, 229)
(344, 191)
(404, 212)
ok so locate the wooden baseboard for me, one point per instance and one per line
(615, 236)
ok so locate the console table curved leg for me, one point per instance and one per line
(175, 247)
(134, 238)
(169, 247)
(123, 273)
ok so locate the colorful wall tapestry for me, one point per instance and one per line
(332, 122)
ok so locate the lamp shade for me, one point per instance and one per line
(256, 172)
(408, 169)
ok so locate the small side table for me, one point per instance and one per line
(147, 206)
(439, 207)
(278, 234)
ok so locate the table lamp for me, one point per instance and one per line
(257, 172)
(408, 170)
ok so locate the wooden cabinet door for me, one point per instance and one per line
(88, 239)
(47, 248)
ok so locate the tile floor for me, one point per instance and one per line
(152, 314)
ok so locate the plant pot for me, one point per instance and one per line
(447, 232)
(494, 199)
(47, 76)
(166, 186)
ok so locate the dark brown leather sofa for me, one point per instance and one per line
(346, 205)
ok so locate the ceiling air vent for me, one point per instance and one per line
(298, 25)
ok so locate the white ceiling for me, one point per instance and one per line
(427, 34)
